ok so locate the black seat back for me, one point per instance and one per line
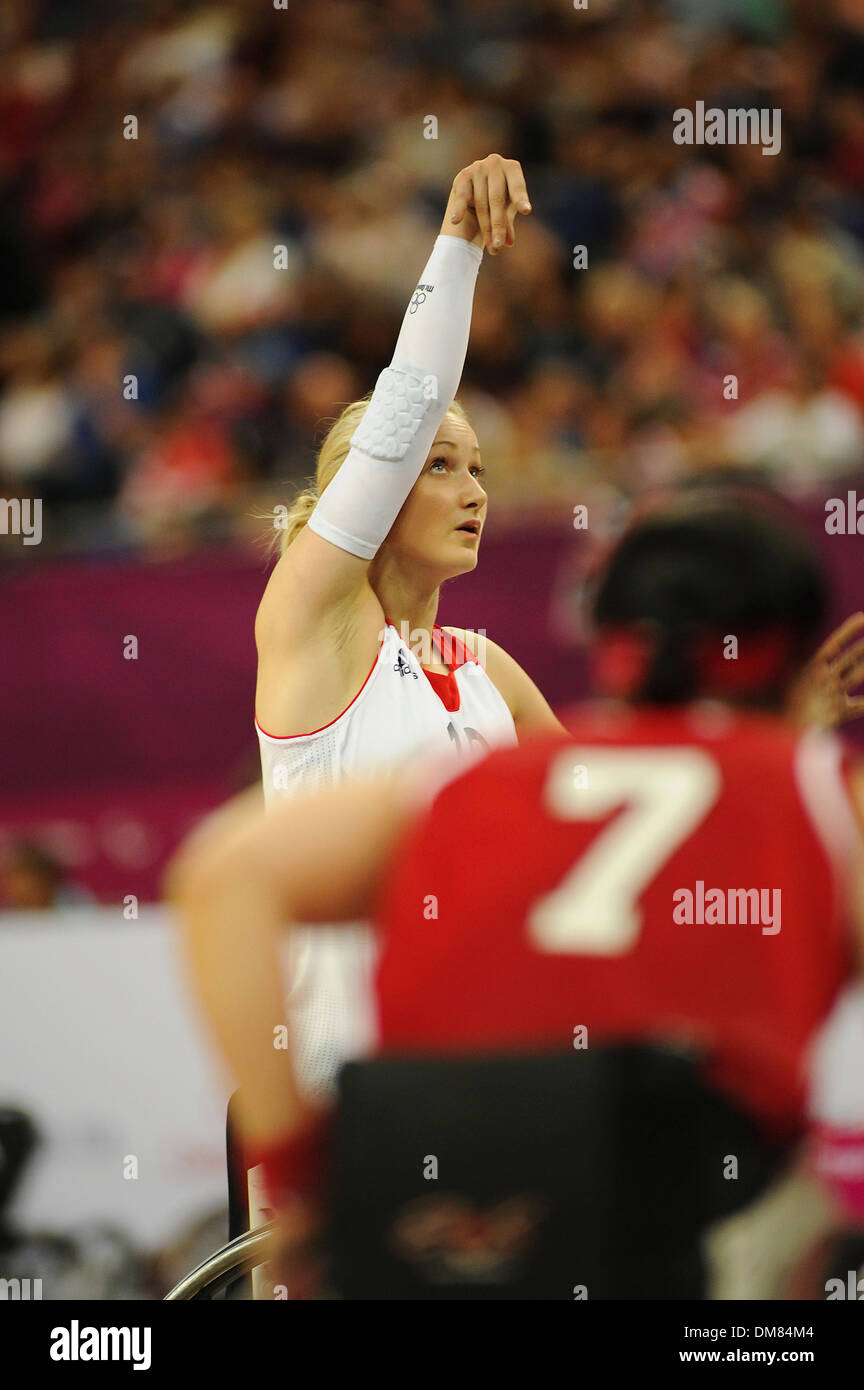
(588, 1174)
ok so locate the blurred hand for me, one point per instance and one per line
(296, 1268)
(822, 696)
(484, 201)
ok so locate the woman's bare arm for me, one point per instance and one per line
(239, 883)
(318, 598)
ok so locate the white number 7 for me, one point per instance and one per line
(666, 793)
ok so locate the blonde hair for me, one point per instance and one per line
(332, 454)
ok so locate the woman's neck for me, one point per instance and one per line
(408, 603)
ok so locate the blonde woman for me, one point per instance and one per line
(398, 508)
(354, 672)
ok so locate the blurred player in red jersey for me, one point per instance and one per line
(682, 862)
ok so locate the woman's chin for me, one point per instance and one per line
(465, 563)
(447, 562)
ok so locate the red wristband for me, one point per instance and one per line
(839, 1161)
(294, 1165)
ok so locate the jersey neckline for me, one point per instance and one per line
(444, 683)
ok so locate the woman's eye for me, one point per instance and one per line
(477, 469)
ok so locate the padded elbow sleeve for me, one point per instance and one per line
(360, 504)
(390, 445)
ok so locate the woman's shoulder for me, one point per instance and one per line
(498, 664)
(526, 703)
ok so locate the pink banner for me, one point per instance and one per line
(111, 757)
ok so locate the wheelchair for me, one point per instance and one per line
(586, 1174)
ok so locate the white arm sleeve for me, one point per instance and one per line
(411, 398)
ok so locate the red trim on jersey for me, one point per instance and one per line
(283, 738)
(444, 683)
(459, 650)
(445, 688)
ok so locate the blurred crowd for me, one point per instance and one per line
(166, 374)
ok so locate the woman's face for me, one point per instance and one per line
(446, 497)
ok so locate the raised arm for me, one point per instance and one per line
(322, 576)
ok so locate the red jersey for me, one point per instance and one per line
(653, 873)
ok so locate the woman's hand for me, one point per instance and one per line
(297, 1268)
(821, 696)
(484, 201)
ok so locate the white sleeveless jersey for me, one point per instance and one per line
(401, 713)
(401, 710)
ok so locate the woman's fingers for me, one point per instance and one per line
(833, 645)
(849, 666)
(518, 193)
(497, 200)
(852, 673)
(461, 195)
(481, 203)
(493, 190)
(835, 671)
(506, 196)
(841, 658)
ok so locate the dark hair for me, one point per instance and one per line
(701, 566)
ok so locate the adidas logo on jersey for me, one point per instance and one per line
(404, 667)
